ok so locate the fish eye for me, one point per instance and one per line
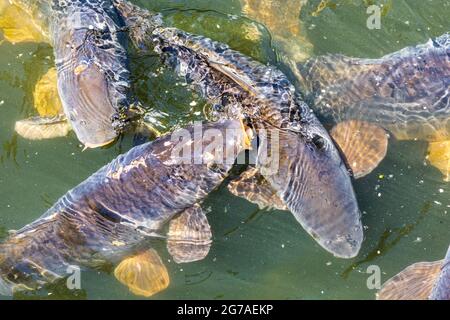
(318, 141)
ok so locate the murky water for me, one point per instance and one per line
(256, 254)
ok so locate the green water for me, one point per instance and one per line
(256, 254)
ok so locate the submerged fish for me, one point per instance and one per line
(303, 166)
(405, 94)
(110, 218)
(91, 61)
(282, 19)
(420, 281)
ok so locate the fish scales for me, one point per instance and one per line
(225, 77)
(406, 92)
(90, 48)
(117, 210)
(304, 166)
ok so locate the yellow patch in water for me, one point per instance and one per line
(144, 274)
(18, 26)
(3, 5)
(279, 18)
(439, 157)
(282, 19)
(322, 6)
(252, 33)
(46, 97)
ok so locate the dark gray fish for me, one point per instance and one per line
(115, 213)
(91, 59)
(405, 93)
(420, 281)
(310, 176)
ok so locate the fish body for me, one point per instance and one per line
(420, 281)
(405, 93)
(441, 288)
(92, 64)
(309, 174)
(118, 209)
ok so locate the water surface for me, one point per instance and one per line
(256, 254)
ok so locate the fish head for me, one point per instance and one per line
(314, 182)
(93, 82)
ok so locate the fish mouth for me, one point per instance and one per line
(88, 145)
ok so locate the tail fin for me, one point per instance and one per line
(414, 283)
(36, 255)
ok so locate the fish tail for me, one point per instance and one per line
(64, 238)
(32, 257)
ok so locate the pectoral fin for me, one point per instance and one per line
(46, 96)
(314, 184)
(51, 122)
(439, 157)
(41, 128)
(363, 144)
(144, 274)
(189, 236)
(251, 185)
(18, 26)
(414, 283)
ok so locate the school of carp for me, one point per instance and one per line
(309, 141)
